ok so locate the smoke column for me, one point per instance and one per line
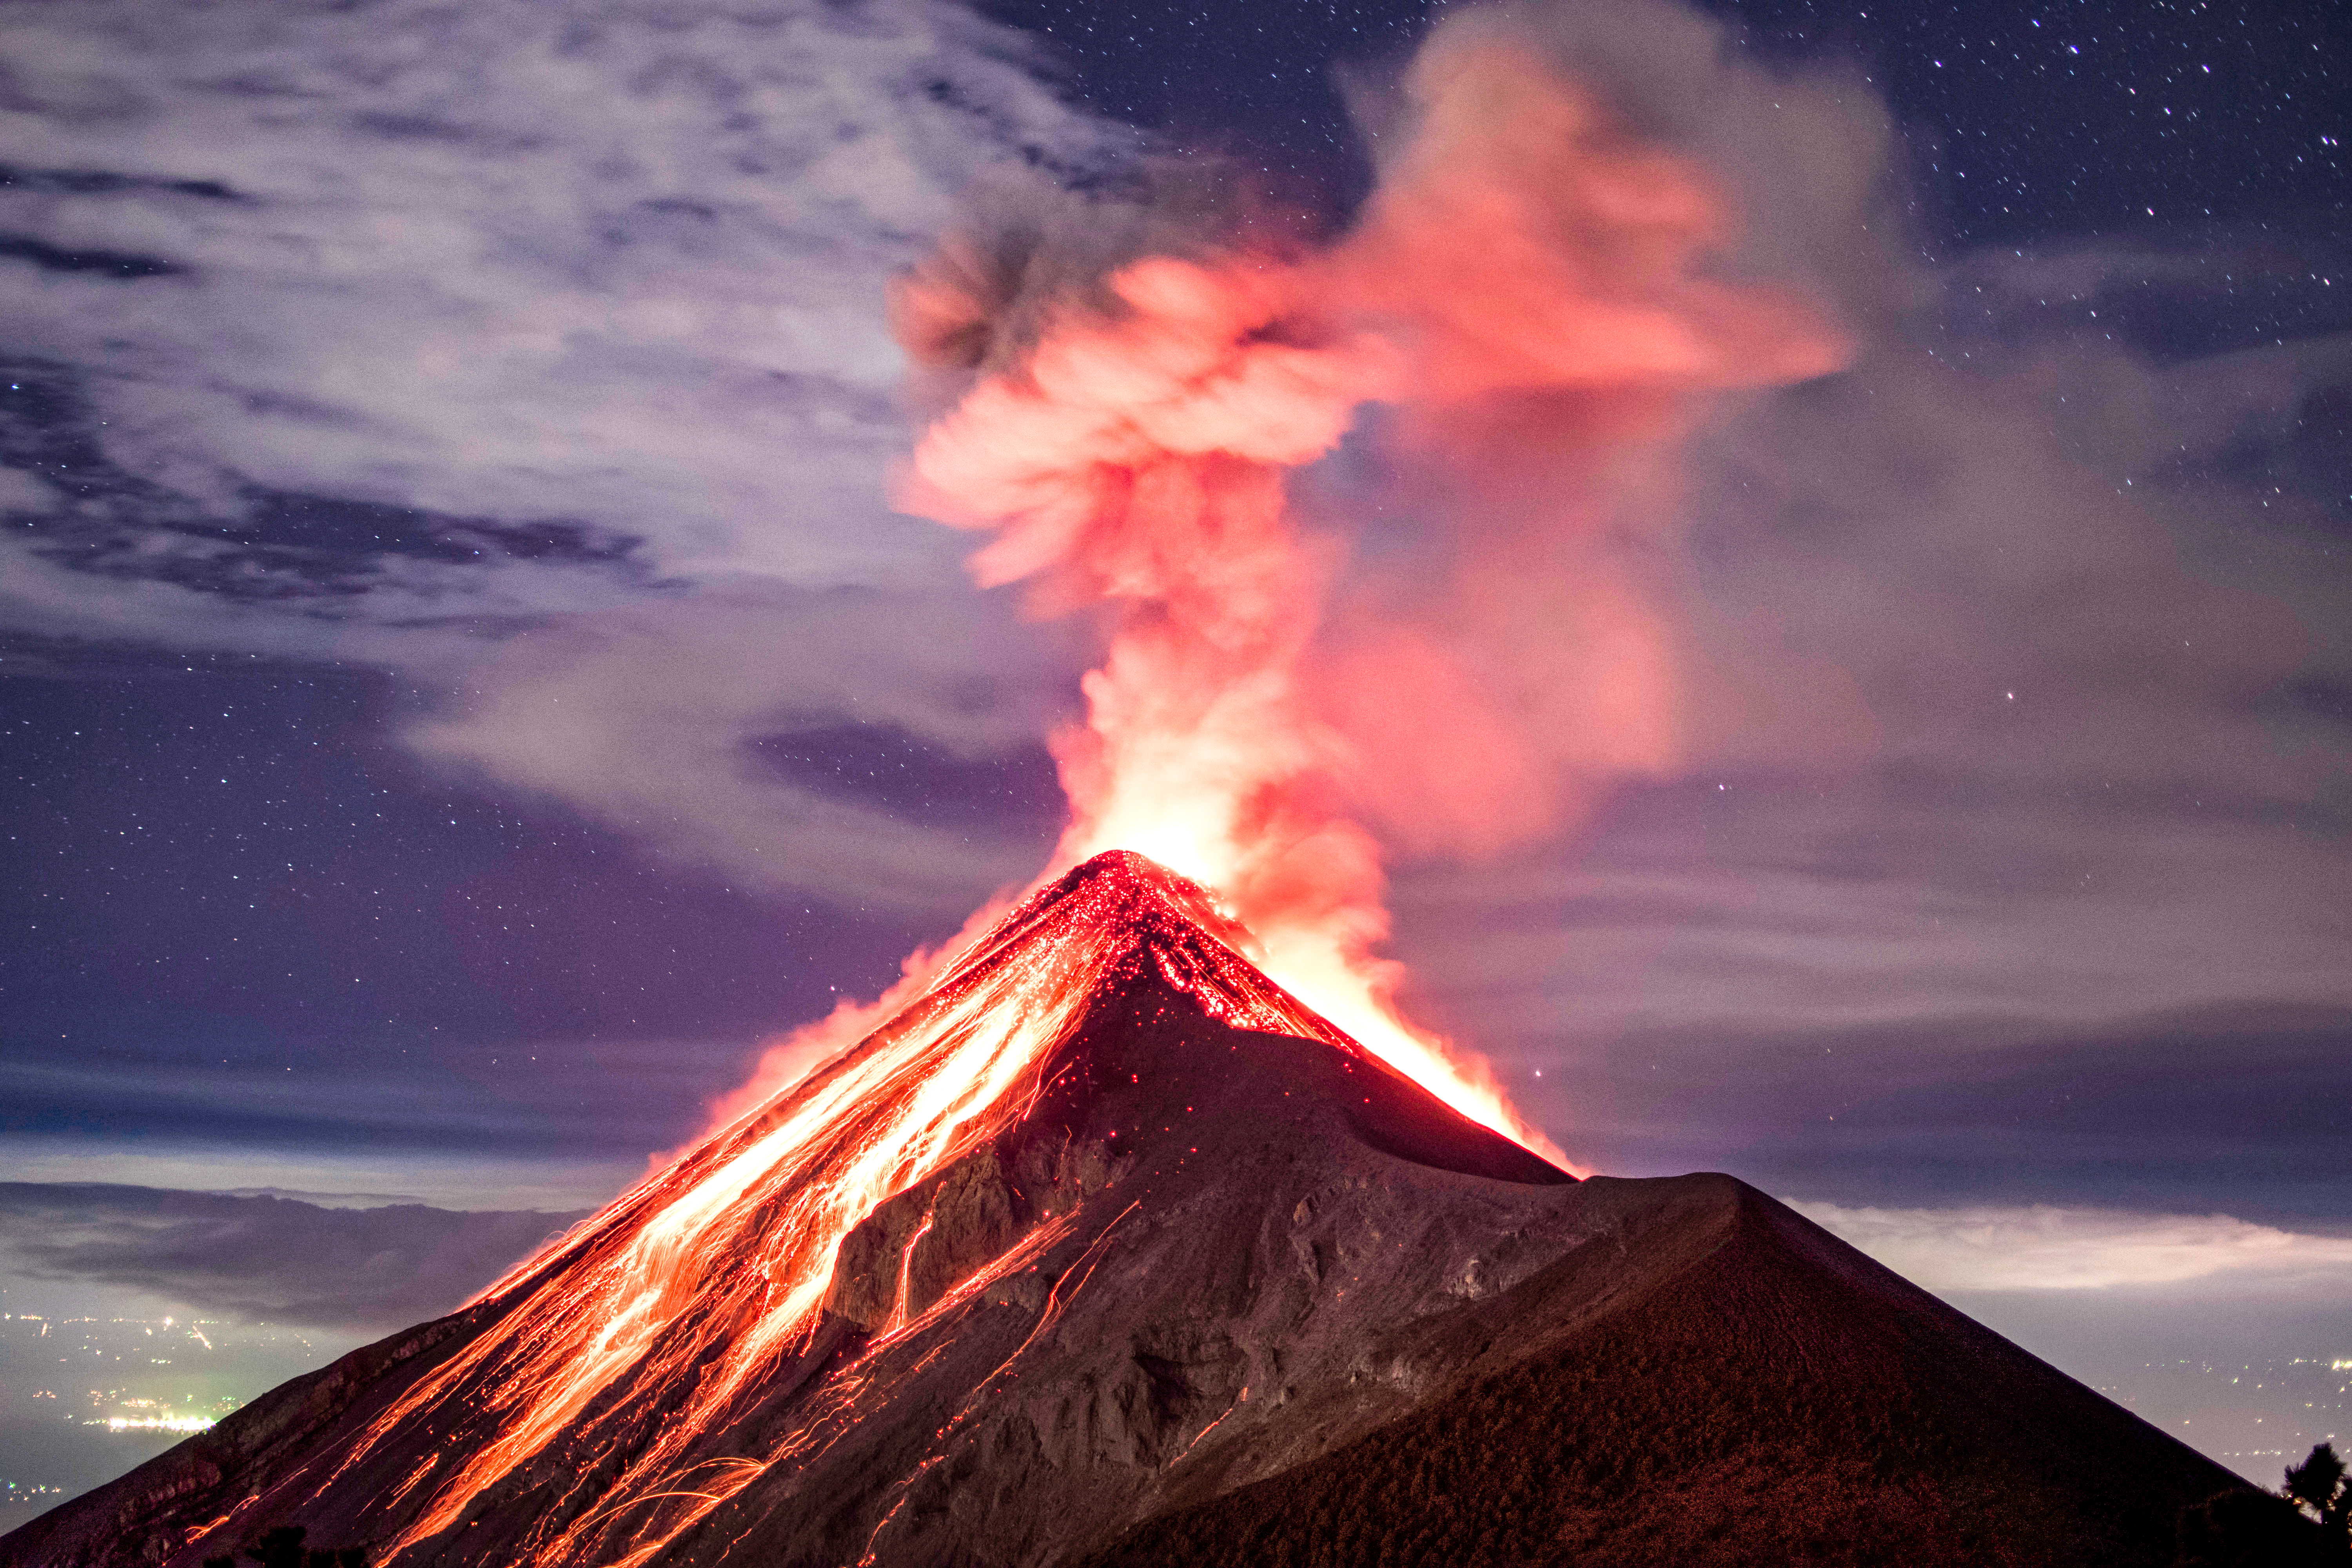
(1526, 291)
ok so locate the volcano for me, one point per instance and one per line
(1109, 1251)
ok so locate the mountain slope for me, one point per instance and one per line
(1108, 1250)
(1765, 1395)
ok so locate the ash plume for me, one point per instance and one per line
(1533, 303)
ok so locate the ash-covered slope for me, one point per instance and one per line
(1192, 1279)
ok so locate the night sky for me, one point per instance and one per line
(463, 687)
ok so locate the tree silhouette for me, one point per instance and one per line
(2318, 1487)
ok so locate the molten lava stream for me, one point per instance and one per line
(707, 1274)
(1351, 995)
(744, 1229)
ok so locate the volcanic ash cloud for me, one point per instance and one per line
(1527, 299)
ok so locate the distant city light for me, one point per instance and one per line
(155, 1423)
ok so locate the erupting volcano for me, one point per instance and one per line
(1108, 1250)
(1139, 1225)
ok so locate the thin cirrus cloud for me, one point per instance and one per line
(2045, 1248)
(621, 267)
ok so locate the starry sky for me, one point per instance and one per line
(463, 687)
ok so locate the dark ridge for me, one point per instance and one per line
(1402, 1121)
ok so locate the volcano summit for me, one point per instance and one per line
(1107, 1251)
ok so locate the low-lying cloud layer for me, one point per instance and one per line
(2043, 1247)
(265, 1258)
(359, 1261)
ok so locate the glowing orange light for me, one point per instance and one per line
(709, 1273)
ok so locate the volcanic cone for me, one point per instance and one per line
(1107, 1250)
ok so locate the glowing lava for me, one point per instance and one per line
(709, 1275)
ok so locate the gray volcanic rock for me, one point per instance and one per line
(1235, 1295)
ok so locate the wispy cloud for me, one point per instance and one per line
(2042, 1247)
(540, 353)
(622, 267)
(695, 726)
(393, 335)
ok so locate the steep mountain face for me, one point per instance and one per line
(1109, 1251)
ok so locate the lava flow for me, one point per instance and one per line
(708, 1274)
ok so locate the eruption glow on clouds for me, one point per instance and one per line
(1528, 281)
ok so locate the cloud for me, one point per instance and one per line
(2043, 1247)
(335, 1173)
(552, 1103)
(2173, 300)
(1807, 153)
(542, 354)
(265, 1258)
(2086, 579)
(1778, 905)
(2108, 677)
(2147, 1113)
(621, 267)
(882, 747)
(389, 336)
(2086, 582)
